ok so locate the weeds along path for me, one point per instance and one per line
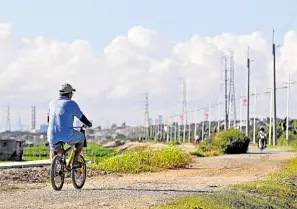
(148, 189)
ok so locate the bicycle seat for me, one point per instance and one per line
(60, 142)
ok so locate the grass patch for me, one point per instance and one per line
(94, 152)
(276, 191)
(143, 159)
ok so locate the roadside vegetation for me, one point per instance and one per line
(277, 190)
(144, 159)
(231, 141)
(94, 152)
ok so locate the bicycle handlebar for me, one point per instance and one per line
(83, 126)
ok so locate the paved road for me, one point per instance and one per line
(24, 164)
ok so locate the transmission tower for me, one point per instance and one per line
(232, 103)
(8, 128)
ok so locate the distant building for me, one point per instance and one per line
(43, 128)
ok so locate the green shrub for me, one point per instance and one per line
(174, 142)
(144, 158)
(206, 149)
(231, 141)
(292, 139)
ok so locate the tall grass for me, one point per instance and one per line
(144, 158)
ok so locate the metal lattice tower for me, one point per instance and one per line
(8, 128)
(33, 118)
(232, 102)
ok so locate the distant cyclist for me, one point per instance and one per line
(262, 135)
(60, 118)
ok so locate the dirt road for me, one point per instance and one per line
(149, 189)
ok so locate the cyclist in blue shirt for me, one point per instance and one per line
(60, 118)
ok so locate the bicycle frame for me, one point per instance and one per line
(63, 152)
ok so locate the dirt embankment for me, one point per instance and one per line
(30, 187)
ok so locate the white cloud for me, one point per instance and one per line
(111, 83)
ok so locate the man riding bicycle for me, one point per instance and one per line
(60, 118)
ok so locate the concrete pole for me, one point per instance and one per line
(184, 132)
(189, 132)
(178, 132)
(274, 94)
(288, 99)
(240, 120)
(270, 118)
(209, 119)
(219, 115)
(195, 131)
(203, 127)
(254, 130)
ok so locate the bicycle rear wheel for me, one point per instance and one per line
(57, 170)
(81, 172)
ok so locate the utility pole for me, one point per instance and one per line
(248, 95)
(270, 116)
(240, 120)
(226, 94)
(288, 100)
(209, 119)
(185, 116)
(8, 128)
(274, 90)
(218, 129)
(254, 124)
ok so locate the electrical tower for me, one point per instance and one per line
(8, 128)
(232, 102)
(33, 118)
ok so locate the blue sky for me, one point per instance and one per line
(100, 21)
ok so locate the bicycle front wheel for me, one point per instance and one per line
(79, 173)
(57, 173)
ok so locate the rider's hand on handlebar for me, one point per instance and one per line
(89, 125)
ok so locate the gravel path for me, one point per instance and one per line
(21, 189)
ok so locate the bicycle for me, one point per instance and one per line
(67, 167)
